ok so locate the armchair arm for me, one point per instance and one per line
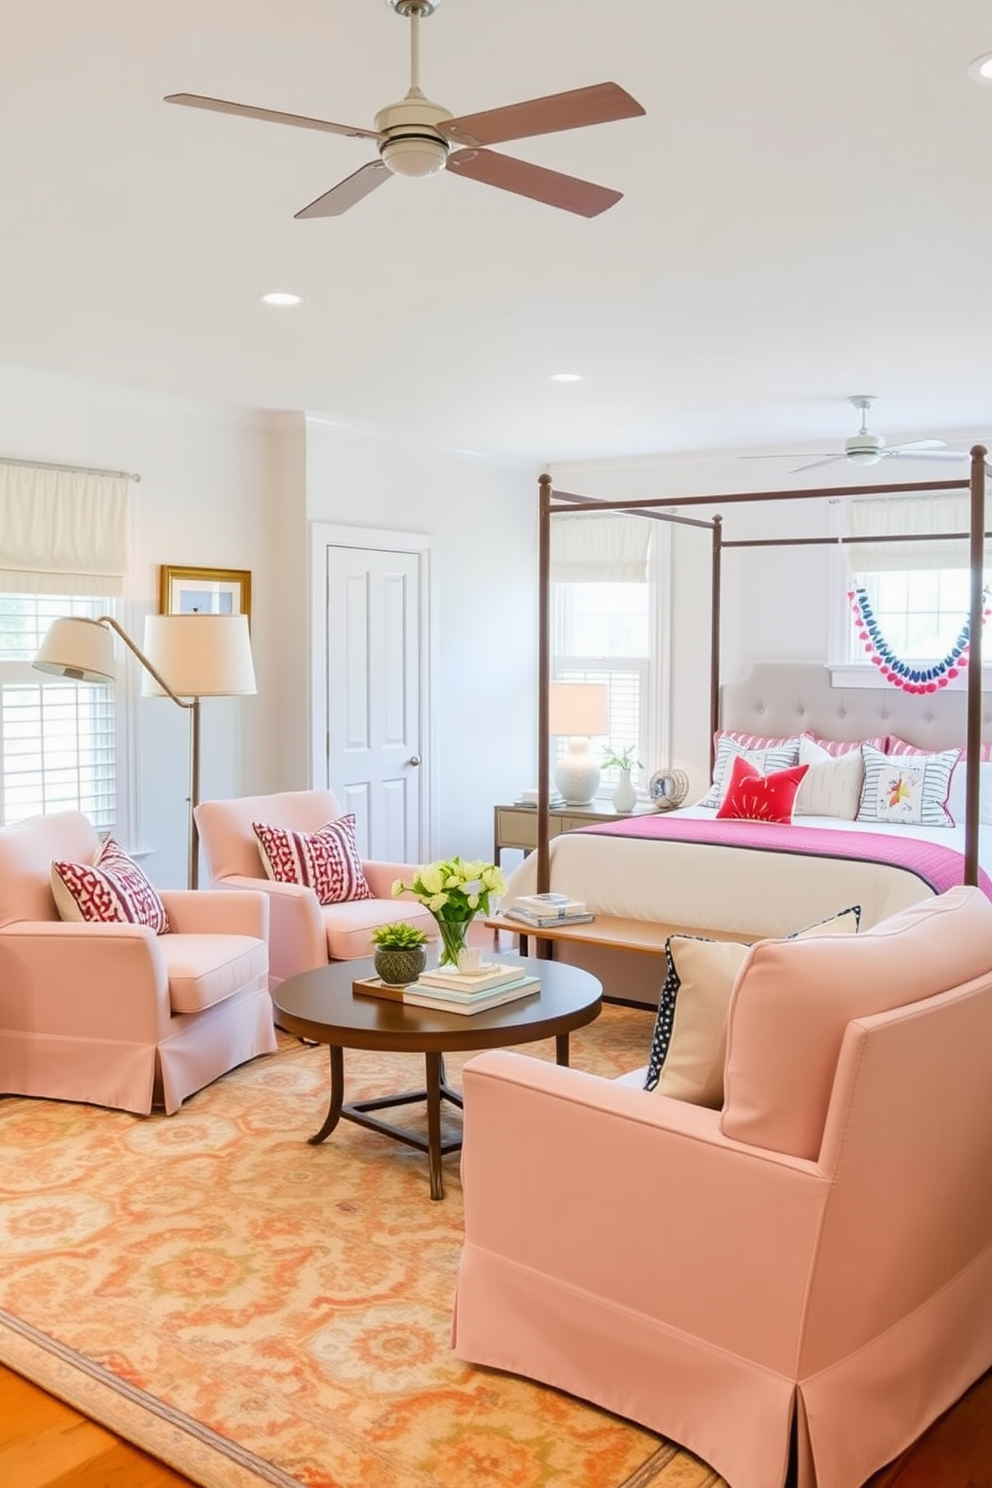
(83, 980)
(297, 934)
(638, 1199)
(211, 912)
(380, 877)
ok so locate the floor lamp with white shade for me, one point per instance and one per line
(213, 659)
(199, 656)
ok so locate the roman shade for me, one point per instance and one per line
(599, 549)
(62, 532)
(906, 515)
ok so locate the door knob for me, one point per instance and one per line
(414, 759)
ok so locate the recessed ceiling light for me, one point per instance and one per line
(566, 377)
(980, 71)
(281, 297)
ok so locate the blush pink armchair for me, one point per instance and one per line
(116, 1015)
(303, 933)
(809, 1267)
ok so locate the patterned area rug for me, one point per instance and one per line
(253, 1310)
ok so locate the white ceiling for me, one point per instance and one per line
(807, 215)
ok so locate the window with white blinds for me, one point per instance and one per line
(601, 633)
(58, 739)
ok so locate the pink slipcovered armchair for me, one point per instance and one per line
(303, 933)
(113, 1014)
(810, 1266)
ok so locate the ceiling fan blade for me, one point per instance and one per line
(600, 104)
(906, 452)
(816, 463)
(347, 192)
(920, 444)
(550, 187)
(270, 116)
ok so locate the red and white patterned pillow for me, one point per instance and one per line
(111, 891)
(326, 861)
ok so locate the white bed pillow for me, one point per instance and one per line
(907, 789)
(832, 784)
(957, 800)
(689, 1044)
(775, 757)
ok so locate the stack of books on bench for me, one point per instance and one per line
(451, 991)
(544, 910)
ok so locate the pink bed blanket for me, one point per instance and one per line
(940, 867)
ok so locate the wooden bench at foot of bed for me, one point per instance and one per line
(607, 934)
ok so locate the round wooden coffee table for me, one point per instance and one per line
(321, 1005)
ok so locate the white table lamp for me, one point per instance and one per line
(579, 710)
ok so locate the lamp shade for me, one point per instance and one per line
(199, 655)
(578, 708)
(79, 649)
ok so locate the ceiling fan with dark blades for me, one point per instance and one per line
(417, 137)
(866, 448)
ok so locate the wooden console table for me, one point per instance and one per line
(516, 826)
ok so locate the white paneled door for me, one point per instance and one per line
(374, 693)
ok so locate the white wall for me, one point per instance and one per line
(201, 502)
(482, 521)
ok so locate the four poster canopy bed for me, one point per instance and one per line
(860, 829)
(773, 1244)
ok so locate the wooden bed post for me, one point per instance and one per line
(976, 616)
(717, 581)
(543, 681)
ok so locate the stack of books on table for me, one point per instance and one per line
(544, 910)
(529, 798)
(452, 991)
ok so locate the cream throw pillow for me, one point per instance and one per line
(689, 1046)
(832, 784)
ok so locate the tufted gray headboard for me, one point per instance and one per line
(779, 698)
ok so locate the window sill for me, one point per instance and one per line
(865, 674)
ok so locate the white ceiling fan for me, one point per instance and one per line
(418, 137)
(866, 448)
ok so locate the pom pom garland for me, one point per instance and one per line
(900, 673)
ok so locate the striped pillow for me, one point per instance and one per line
(778, 757)
(326, 861)
(902, 746)
(837, 747)
(909, 789)
(111, 891)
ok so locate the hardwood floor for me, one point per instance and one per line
(46, 1444)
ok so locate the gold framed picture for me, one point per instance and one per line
(204, 591)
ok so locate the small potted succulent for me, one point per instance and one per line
(400, 953)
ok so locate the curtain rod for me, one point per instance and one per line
(70, 469)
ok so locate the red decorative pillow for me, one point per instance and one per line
(111, 891)
(326, 861)
(752, 796)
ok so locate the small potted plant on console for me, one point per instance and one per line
(400, 953)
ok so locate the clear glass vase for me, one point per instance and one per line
(451, 939)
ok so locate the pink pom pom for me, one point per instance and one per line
(931, 687)
(941, 681)
(952, 672)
